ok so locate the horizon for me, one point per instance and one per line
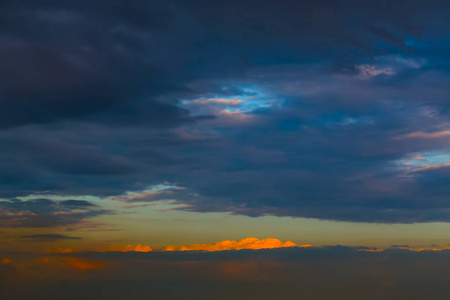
(201, 149)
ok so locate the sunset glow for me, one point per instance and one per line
(220, 149)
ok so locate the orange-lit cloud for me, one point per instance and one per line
(82, 264)
(228, 102)
(427, 135)
(432, 167)
(72, 262)
(236, 115)
(6, 261)
(248, 243)
(433, 249)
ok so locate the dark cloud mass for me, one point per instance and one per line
(39, 213)
(50, 237)
(324, 109)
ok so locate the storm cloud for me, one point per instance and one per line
(320, 109)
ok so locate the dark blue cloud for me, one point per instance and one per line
(50, 237)
(101, 97)
(41, 213)
(78, 203)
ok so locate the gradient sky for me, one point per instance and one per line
(178, 122)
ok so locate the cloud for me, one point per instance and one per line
(427, 135)
(244, 244)
(174, 208)
(50, 237)
(432, 167)
(82, 264)
(390, 274)
(128, 248)
(159, 192)
(115, 111)
(90, 78)
(248, 243)
(40, 213)
(79, 203)
(400, 246)
(221, 101)
(142, 205)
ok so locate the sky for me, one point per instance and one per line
(132, 128)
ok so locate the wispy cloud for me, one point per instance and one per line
(174, 208)
(427, 135)
(50, 237)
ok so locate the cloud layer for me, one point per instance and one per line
(247, 243)
(288, 273)
(41, 213)
(303, 108)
